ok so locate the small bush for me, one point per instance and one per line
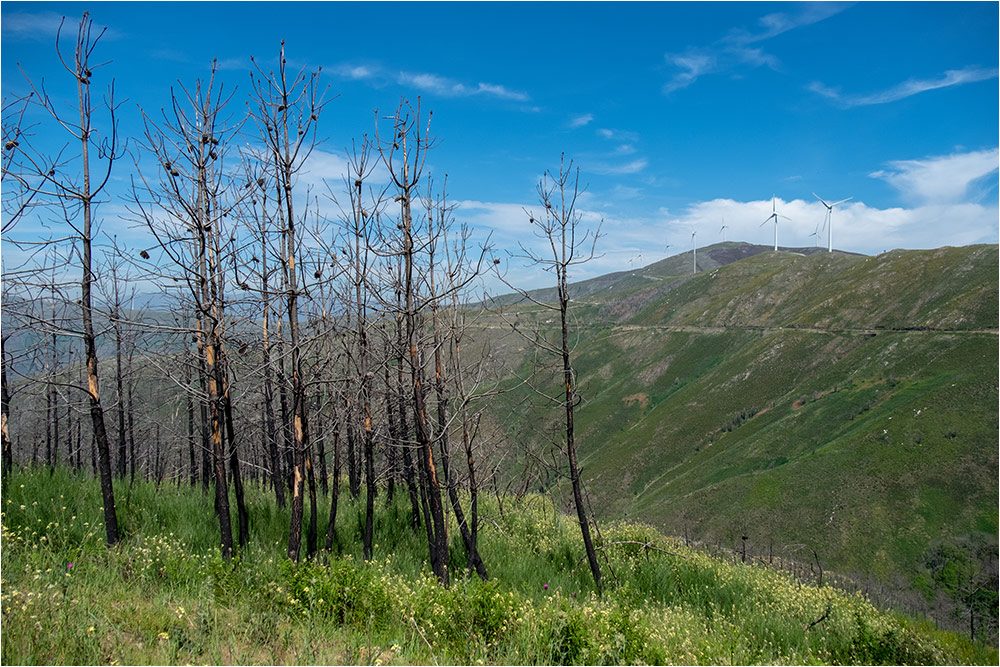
(344, 591)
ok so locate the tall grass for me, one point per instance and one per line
(165, 596)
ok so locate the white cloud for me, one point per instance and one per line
(907, 88)
(945, 179)
(355, 72)
(377, 76)
(323, 166)
(692, 64)
(857, 227)
(501, 92)
(581, 120)
(626, 136)
(450, 88)
(608, 169)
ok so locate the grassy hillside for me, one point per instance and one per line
(829, 402)
(164, 596)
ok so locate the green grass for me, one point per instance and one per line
(164, 596)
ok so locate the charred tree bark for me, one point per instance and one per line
(8, 448)
(287, 113)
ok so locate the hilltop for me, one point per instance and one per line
(673, 268)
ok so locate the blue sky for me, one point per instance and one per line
(679, 115)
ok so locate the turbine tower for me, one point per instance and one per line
(774, 216)
(829, 219)
(723, 230)
(694, 253)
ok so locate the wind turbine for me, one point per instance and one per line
(774, 216)
(694, 253)
(829, 219)
(723, 230)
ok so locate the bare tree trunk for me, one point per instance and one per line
(84, 46)
(404, 432)
(559, 224)
(394, 434)
(119, 378)
(574, 471)
(319, 427)
(353, 472)
(207, 467)
(270, 432)
(442, 400)
(8, 449)
(54, 414)
(192, 465)
(331, 526)
(313, 531)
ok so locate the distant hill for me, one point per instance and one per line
(676, 267)
(805, 401)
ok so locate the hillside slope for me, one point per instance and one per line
(840, 402)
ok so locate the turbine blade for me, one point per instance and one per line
(840, 202)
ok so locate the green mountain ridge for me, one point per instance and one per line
(676, 268)
(842, 402)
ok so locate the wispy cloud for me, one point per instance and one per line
(618, 135)
(736, 48)
(500, 91)
(608, 169)
(944, 179)
(692, 64)
(426, 81)
(354, 72)
(772, 25)
(581, 120)
(45, 26)
(954, 77)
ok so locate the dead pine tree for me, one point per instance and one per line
(259, 218)
(467, 382)
(358, 257)
(286, 111)
(566, 245)
(404, 439)
(404, 154)
(438, 220)
(77, 199)
(185, 208)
